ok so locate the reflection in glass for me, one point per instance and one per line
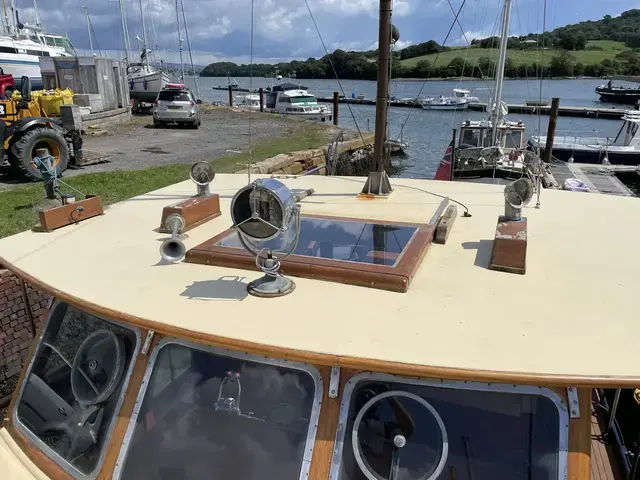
(345, 240)
(73, 388)
(215, 417)
(489, 435)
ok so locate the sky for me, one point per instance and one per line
(283, 30)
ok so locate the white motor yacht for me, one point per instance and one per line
(291, 99)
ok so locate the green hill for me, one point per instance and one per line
(595, 52)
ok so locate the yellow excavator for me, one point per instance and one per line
(25, 129)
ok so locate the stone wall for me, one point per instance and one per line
(22, 311)
(295, 163)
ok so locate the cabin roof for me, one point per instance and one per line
(573, 316)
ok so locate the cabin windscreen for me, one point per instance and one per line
(303, 99)
(74, 388)
(404, 431)
(205, 414)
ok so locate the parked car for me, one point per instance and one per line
(176, 104)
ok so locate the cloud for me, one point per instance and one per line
(282, 29)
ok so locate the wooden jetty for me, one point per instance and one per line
(598, 178)
(582, 112)
(370, 101)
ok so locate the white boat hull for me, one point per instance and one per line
(445, 106)
(144, 86)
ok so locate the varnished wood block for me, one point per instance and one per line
(510, 246)
(72, 213)
(445, 224)
(195, 211)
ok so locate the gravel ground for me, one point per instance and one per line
(139, 145)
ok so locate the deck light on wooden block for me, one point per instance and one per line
(200, 208)
(75, 212)
(510, 243)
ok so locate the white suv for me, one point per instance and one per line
(176, 104)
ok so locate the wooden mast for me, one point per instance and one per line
(378, 182)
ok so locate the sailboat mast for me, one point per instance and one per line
(179, 41)
(6, 17)
(186, 32)
(496, 115)
(144, 36)
(125, 33)
(36, 13)
(86, 17)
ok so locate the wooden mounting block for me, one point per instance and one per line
(194, 210)
(510, 246)
(71, 213)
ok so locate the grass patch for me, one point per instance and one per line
(524, 57)
(19, 206)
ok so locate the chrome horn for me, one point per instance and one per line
(172, 249)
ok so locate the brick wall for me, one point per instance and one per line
(18, 319)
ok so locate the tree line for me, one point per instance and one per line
(355, 66)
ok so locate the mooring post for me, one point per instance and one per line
(336, 98)
(261, 91)
(230, 96)
(551, 130)
(452, 160)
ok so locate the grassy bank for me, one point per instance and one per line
(19, 206)
(524, 57)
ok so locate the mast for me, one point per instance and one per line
(179, 41)
(86, 16)
(144, 36)
(125, 32)
(36, 13)
(378, 181)
(13, 18)
(496, 114)
(186, 32)
(6, 17)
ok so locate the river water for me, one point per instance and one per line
(428, 131)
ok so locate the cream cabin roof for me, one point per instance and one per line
(573, 317)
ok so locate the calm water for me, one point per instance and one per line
(429, 132)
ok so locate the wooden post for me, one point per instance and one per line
(452, 160)
(551, 131)
(336, 98)
(230, 96)
(261, 92)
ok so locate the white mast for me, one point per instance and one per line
(36, 13)
(125, 32)
(144, 36)
(179, 41)
(13, 18)
(186, 31)
(86, 16)
(496, 113)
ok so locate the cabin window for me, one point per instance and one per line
(512, 138)
(285, 100)
(8, 50)
(205, 412)
(74, 387)
(471, 136)
(435, 429)
(305, 99)
(33, 52)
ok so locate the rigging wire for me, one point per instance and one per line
(335, 73)
(94, 35)
(186, 32)
(435, 61)
(250, 90)
(541, 75)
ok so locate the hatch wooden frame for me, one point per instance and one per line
(394, 278)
